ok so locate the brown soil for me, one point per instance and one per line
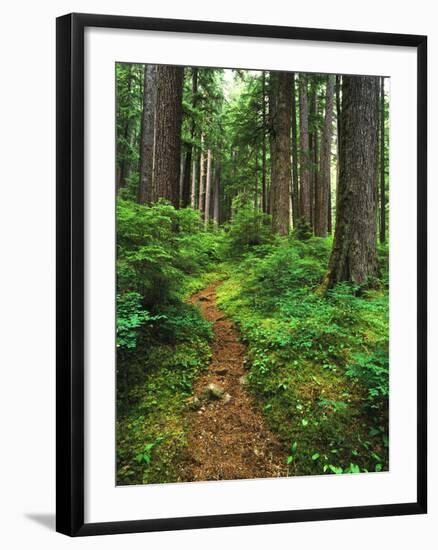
(228, 440)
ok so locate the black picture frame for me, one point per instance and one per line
(70, 273)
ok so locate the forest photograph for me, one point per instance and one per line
(252, 244)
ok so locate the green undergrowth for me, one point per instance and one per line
(163, 343)
(151, 431)
(318, 365)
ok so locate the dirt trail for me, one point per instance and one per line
(228, 440)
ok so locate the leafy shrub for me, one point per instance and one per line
(302, 230)
(372, 371)
(130, 317)
(158, 247)
(180, 322)
(248, 229)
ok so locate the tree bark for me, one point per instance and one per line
(208, 188)
(124, 164)
(186, 186)
(306, 211)
(382, 163)
(145, 190)
(295, 192)
(338, 128)
(281, 157)
(354, 256)
(193, 188)
(313, 147)
(217, 193)
(168, 134)
(201, 191)
(324, 177)
(264, 201)
(272, 119)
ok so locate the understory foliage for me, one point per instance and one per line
(163, 254)
(318, 364)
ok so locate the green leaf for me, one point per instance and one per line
(379, 467)
(304, 422)
(289, 459)
(294, 446)
(315, 456)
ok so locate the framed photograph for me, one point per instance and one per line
(241, 274)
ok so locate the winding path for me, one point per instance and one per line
(228, 440)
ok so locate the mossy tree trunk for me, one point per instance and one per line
(354, 256)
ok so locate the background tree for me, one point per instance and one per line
(295, 176)
(305, 196)
(322, 187)
(129, 92)
(145, 191)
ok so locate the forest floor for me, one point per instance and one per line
(227, 435)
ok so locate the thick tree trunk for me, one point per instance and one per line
(354, 255)
(272, 120)
(382, 163)
(295, 192)
(324, 179)
(145, 190)
(208, 188)
(264, 197)
(338, 128)
(186, 186)
(168, 135)
(306, 210)
(281, 158)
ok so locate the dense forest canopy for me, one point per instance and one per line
(277, 185)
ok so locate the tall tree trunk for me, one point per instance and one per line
(313, 146)
(145, 189)
(354, 256)
(264, 197)
(256, 177)
(281, 157)
(186, 187)
(295, 193)
(208, 188)
(126, 127)
(382, 162)
(338, 129)
(168, 135)
(201, 190)
(217, 191)
(193, 188)
(324, 179)
(181, 177)
(272, 119)
(306, 210)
